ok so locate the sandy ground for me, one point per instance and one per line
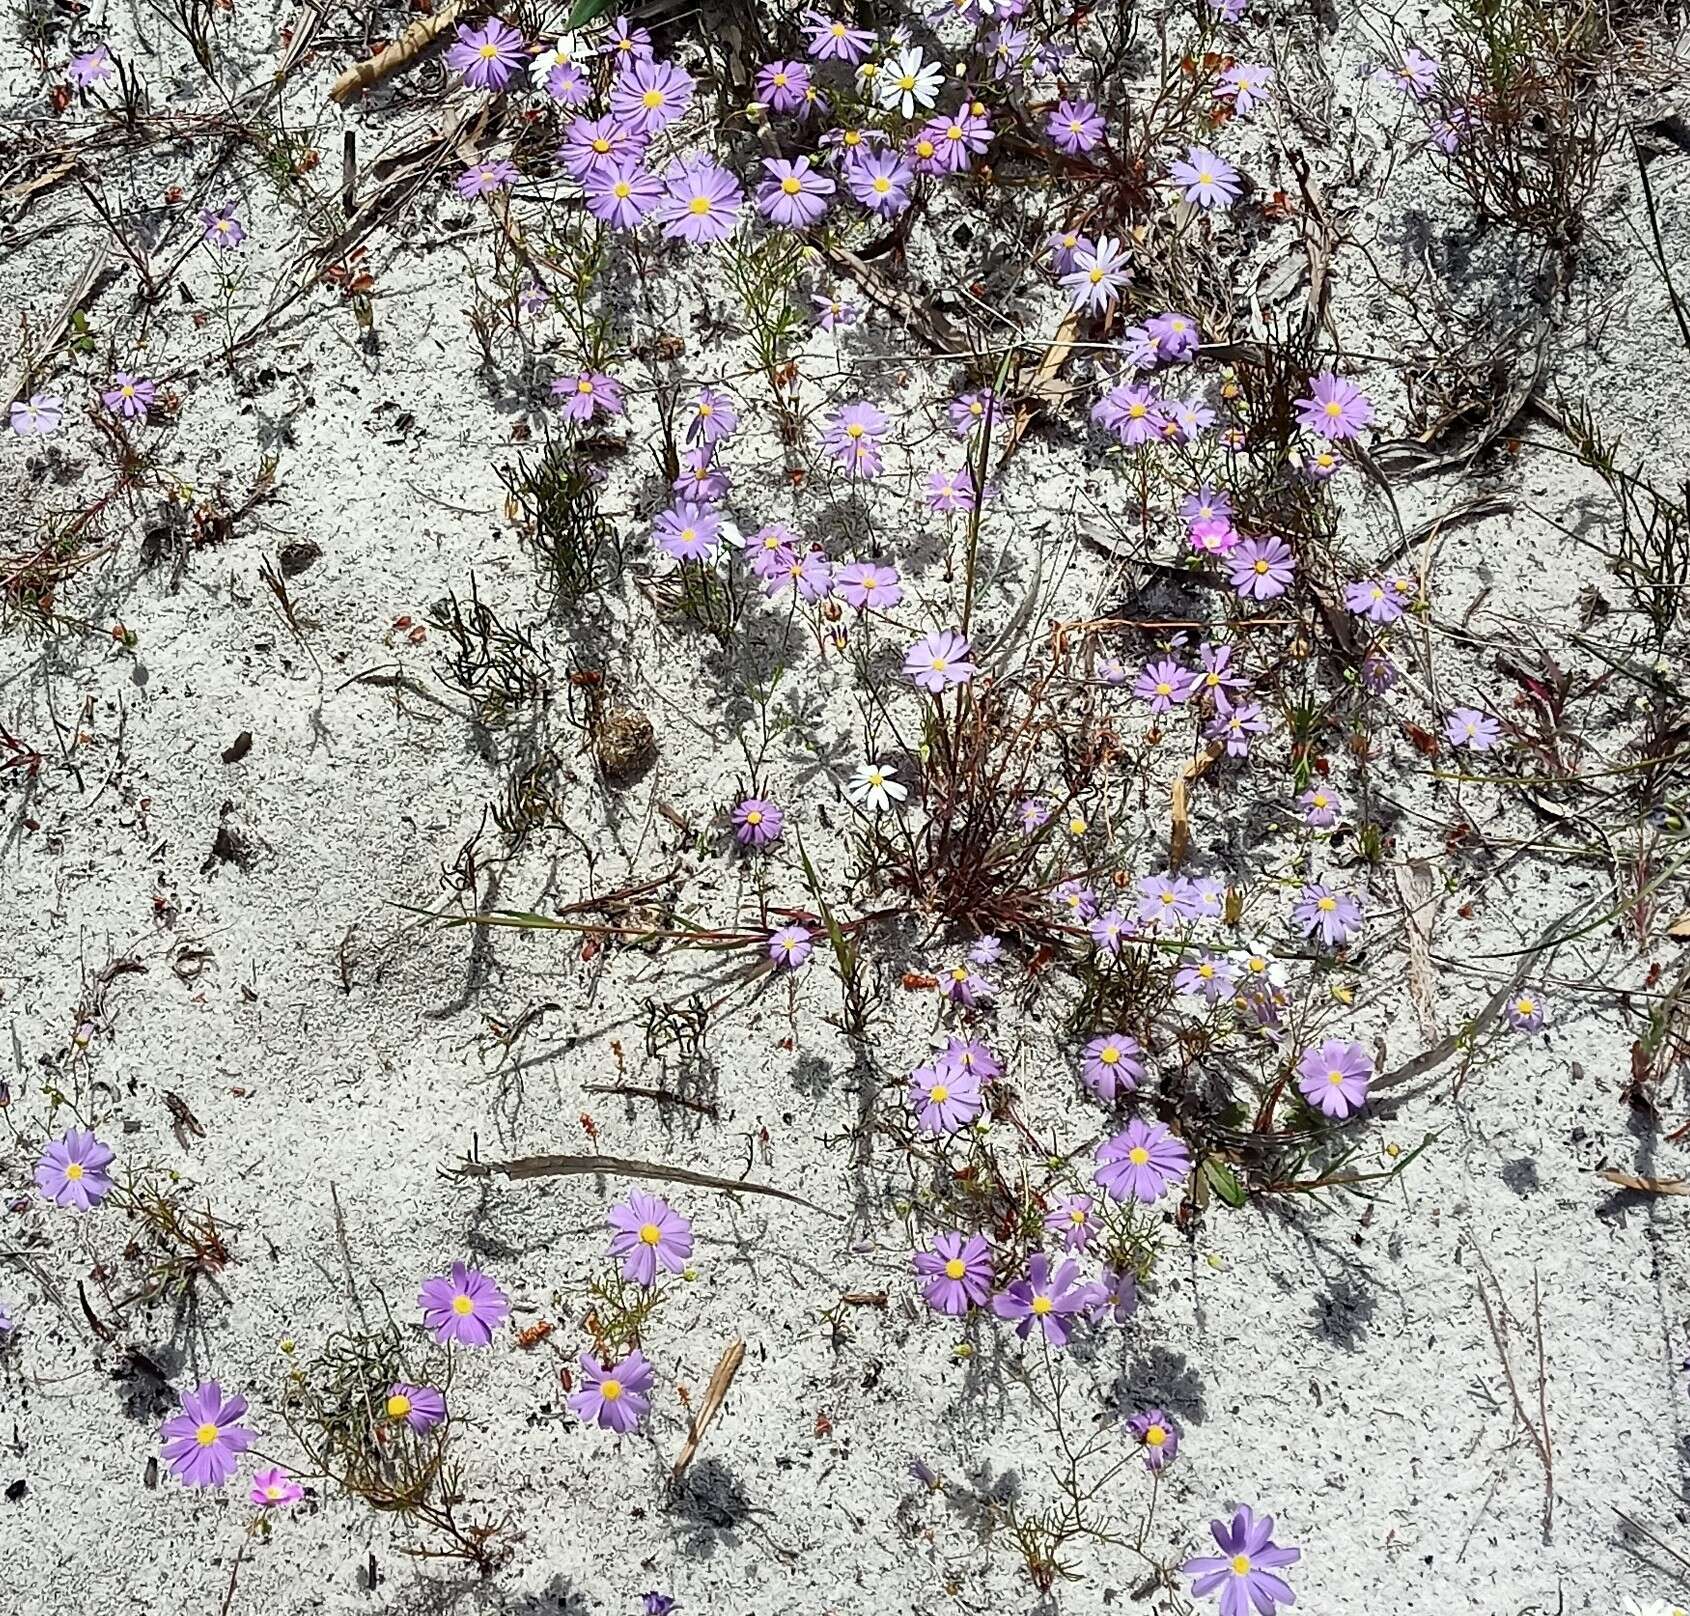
(241, 937)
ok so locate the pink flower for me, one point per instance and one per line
(940, 661)
(273, 1488)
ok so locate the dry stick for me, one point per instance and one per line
(417, 38)
(664, 1095)
(624, 1167)
(1660, 251)
(1540, 1438)
(87, 285)
(1643, 1531)
(733, 1355)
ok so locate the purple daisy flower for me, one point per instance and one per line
(1051, 1301)
(1206, 505)
(688, 532)
(1245, 85)
(1372, 600)
(221, 228)
(421, 1408)
(1166, 900)
(757, 822)
(703, 203)
(782, 85)
(864, 584)
(600, 144)
(1175, 335)
(1336, 409)
(940, 661)
(648, 1234)
(616, 1396)
(1243, 1573)
(702, 481)
(91, 67)
(1467, 726)
(1073, 896)
(795, 195)
(880, 181)
(1334, 1077)
(1333, 917)
(203, 1444)
(649, 95)
(1070, 1222)
(627, 43)
(1107, 931)
(834, 41)
(961, 985)
(1205, 179)
(567, 85)
(969, 1054)
(72, 1170)
(483, 179)
(790, 947)
(275, 1489)
(464, 1305)
(1112, 1065)
(853, 438)
(1261, 569)
(488, 56)
(1163, 684)
(588, 393)
(1209, 977)
(129, 396)
(833, 311)
(622, 195)
(1075, 126)
(1321, 807)
(1065, 247)
(1132, 412)
(1142, 1163)
(957, 1271)
(971, 410)
(1216, 676)
(1416, 75)
(1157, 1435)
(945, 1099)
(1236, 725)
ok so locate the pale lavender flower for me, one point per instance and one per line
(1107, 931)
(1142, 1163)
(853, 438)
(487, 57)
(1334, 1077)
(1209, 977)
(986, 950)
(420, 1407)
(649, 95)
(833, 311)
(1336, 409)
(1332, 917)
(615, 1397)
(806, 572)
(1033, 814)
(961, 985)
(92, 67)
(1245, 85)
(781, 85)
(757, 822)
(880, 181)
(38, 416)
(834, 41)
(275, 1489)
(627, 43)
(1216, 675)
(567, 85)
(1050, 1301)
(648, 1234)
(72, 1170)
(1073, 897)
(1165, 901)
(464, 1305)
(1467, 726)
(1069, 1221)
(1372, 600)
(622, 194)
(1261, 569)
(1321, 807)
(703, 203)
(971, 410)
(1111, 1066)
(795, 195)
(202, 1445)
(1416, 75)
(1164, 684)
(1205, 179)
(1075, 126)
(957, 1271)
(1098, 274)
(790, 947)
(481, 180)
(1175, 336)
(600, 145)
(688, 532)
(587, 393)
(1236, 725)
(221, 228)
(1525, 1012)
(864, 585)
(1245, 1572)
(938, 662)
(944, 1098)
(1132, 412)
(129, 396)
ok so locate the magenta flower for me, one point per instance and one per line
(1157, 1435)
(221, 228)
(615, 1397)
(273, 1488)
(945, 1098)
(938, 662)
(1333, 917)
(586, 394)
(91, 67)
(790, 947)
(600, 144)
(1069, 1221)
(1216, 537)
(1205, 179)
(622, 194)
(1051, 1301)
(483, 179)
(1112, 1065)
(1321, 808)
(880, 181)
(795, 195)
(1245, 85)
(1075, 126)
(202, 1445)
(72, 1170)
(833, 41)
(649, 95)
(1142, 1163)
(1164, 684)
(129, 396)
(687, 532)
(648, 1234)
(782, 85)
(1467, 726)
(1336, 409)
(464, 1305)
(757, 822)
(1243, 1573)
(1334, 1077)
(1260, 569)
(703, 203)
(420, 1407)
(1098, 275)
(863, 585)
(958, 1273)
(487, 56)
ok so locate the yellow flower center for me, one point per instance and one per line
(600, 145)
(755, 817)
(1095, 276)
(1077, 1216)
(488, 52)
(1525, 1006)
(1155, 1436)
(1240, 1565)
(939, 1093)
(1041, 1305)
(206, 1434)
(1261, 567)
(1139, 1156)
(955, 1268)
(699, 206)
(74, 1172)
(583, 386)
(924, 148)
(937, 664)
(1326, 905)
(610, 1390)
(398, 1406)
(907, 82)
(779, 81)
(1109, 1055)
(1334, 1077)
(1164, 689)
(881, 185)
(853, 431)
(651, 100)
(462, 1306)
(273, 1490)
(650, 1234)
(621, 190)
(1334, 408)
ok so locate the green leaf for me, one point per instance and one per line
(583, 12)
(1223, 1181)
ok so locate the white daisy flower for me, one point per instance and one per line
(875, 787)
(908, 81)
